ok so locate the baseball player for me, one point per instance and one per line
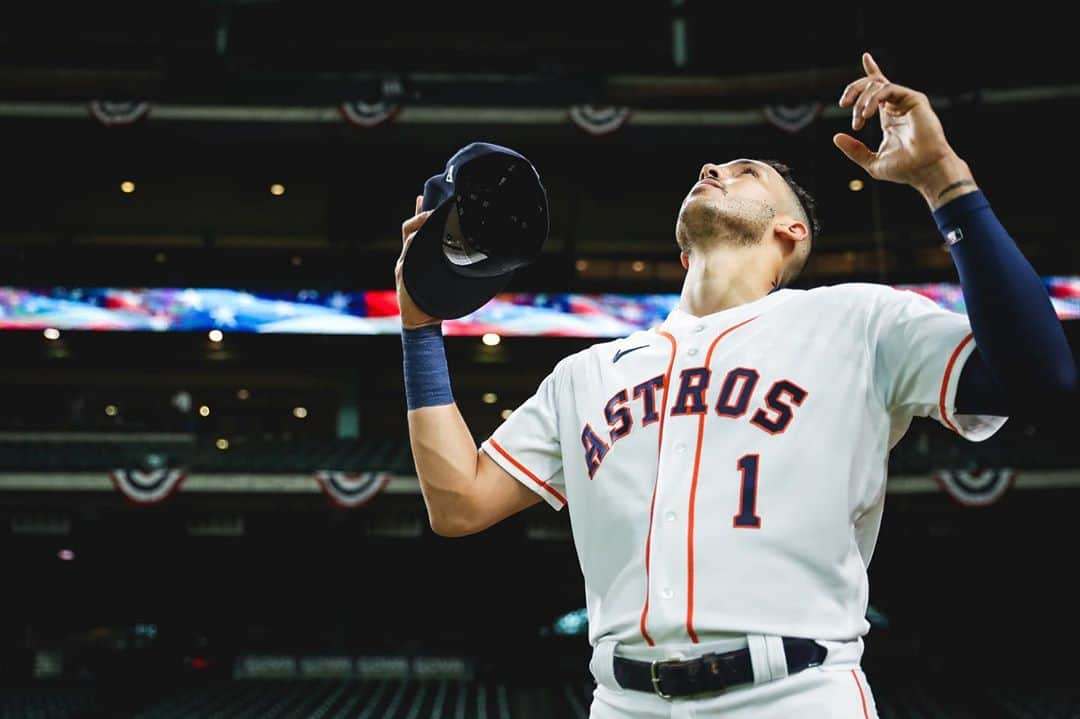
(725, 471)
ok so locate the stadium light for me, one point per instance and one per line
(222, 443)
(491, 339)
(277, 189)
(299, 412)
(65, 555)
(127, 187)
(505, 414)
(490, 398)
(51, 333)
(855, 185)
(215, 336)
(204, 411)
(242, 393)
(110, 410)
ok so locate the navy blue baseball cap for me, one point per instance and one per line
(489, 218)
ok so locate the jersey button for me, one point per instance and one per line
(692, 351)
(680, 448)
(667, 593)
(699, 328)
(670, 516)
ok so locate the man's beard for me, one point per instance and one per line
(729, 220)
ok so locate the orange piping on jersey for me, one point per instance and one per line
(693, 495)
(656, 480)
(551, 490)
(858, 685)
(945, 382)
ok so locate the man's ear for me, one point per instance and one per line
(792, 230)
(685, 260)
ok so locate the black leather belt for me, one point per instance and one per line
(709, 673)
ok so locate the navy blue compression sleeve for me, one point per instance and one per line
(427, 378)
(1022, 357)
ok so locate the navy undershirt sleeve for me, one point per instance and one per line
(427, 377)
(1022, 358)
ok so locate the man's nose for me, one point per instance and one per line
(709, 170)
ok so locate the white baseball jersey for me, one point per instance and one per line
(726, 474)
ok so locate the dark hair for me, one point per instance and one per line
(808, 206)
(806, 201)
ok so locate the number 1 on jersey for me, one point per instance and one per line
(746, 518)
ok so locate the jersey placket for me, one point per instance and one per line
(671, 581)
(669, 571)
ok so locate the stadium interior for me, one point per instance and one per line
(229, 161)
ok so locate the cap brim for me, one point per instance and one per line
(432, 284)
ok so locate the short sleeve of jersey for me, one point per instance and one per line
(918, 350)
(527, 444)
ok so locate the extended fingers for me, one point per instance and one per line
(408, 231)
(868, 106)
(413, 224)
(870, 65)
(904, 98)
(854, 89)
(858, 119)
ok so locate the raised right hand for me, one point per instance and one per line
(411, 315)
(913, 148)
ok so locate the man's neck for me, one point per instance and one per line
(722, 279)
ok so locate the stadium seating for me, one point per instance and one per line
(563, 698)
(256, 457)
(1060, 702)
(47, 701)
(325, 699)
(927, 447)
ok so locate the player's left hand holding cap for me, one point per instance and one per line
(489, 218)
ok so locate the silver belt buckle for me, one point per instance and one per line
(656, 679)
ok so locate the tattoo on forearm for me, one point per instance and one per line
(953, 186)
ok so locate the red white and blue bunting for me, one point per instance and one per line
(975, 489)
(792, 118)
(369, 114)
(599, 120)
(147, 487)
(113, 114)
(350, 490)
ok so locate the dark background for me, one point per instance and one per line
(979, 597)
